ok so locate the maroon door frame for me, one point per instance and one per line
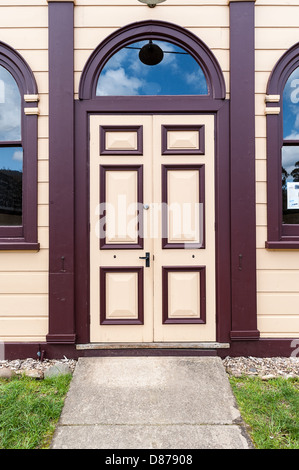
(214, 103)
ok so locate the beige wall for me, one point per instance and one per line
(23, 25)
(24, 275)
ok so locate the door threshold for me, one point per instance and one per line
(200, 345)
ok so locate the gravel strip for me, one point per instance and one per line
(266, 368)
(236, 366)
(34, 367)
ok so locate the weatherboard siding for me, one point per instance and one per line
(24, 275)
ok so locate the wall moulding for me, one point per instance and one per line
(31, 111)
(272, 98)
(31, 98)
(272, 111)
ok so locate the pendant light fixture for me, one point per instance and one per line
(151, 3)
(151, 54)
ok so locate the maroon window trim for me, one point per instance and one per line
(279, 235)
(23, 237)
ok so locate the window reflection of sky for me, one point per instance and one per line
(10, 107)
(290, 154)
(177, 74)
(11, 158)
(291, 107)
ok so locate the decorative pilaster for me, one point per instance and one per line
(242, 133)
(61, 172)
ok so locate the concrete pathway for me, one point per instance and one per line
(150, 403)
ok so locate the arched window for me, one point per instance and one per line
(11, 151)
(188, 66)
(18, 152)
(176, 73)
(282, 112)
(290, 150)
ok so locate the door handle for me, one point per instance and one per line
(147, 259)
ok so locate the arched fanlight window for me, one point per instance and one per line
(169, 70)
(11, 151)
(290, 150)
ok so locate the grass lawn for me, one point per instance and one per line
(271, 409)
(29, 410)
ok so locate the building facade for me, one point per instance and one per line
(149, 209)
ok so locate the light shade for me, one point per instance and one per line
(151, 3)
(151, 54)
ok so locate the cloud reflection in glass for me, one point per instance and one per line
(10, 107)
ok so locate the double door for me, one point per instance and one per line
(152, 228)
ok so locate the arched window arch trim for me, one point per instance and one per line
(279, 235)
(18, 67)
(23, 237)
(156, 30)
(282, 70)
